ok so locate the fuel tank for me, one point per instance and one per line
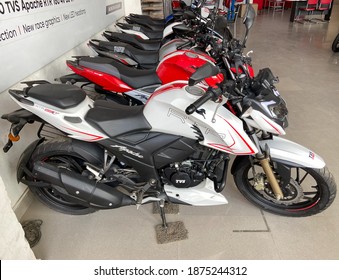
(180, 65)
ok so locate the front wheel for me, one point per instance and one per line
(309, 191)
(335, 44)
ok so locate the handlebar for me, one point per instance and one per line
(202, 100)
(184, 45)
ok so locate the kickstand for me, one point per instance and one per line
(162, 213)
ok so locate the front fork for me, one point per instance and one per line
(264, 160)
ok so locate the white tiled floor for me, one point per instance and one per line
(308, 70)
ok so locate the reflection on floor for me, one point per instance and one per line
(300, 54)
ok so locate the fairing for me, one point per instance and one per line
(71, 121)
(106, 81)
(220, 129)
(201, 195)
(168, 29)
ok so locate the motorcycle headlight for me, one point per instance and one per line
(279, 113)
(272, 105)
(279, 110)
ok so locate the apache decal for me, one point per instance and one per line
(125, 149)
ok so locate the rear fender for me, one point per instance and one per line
(24, 158)
(90, 152)
(72, 79)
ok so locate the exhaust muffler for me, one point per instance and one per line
(96, 194)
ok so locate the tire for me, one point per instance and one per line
(335, 44)
(307, 194)
(57, 152)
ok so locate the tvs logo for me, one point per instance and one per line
(311, 155)
(119, 49)
(136, 28)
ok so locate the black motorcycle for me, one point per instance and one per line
(335, 44)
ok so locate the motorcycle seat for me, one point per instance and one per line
(134, 40)
(145, 22)
(140, 56)
(135, 78)
(115, 119)
(151, 34)
(148, 18)
(58, 95)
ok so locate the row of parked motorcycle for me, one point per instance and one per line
(181, 103)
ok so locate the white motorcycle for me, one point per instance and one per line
(175, 148)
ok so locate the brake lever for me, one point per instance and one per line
(215, 112)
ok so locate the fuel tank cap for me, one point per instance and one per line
(194, 90)
(191, 55)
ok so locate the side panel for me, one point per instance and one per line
(220, 129)
(106, 81)
(70, 121)
(148, 151)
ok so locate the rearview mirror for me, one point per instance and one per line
(188, 15)
(249, 16)
(248, 21)
(205, 71)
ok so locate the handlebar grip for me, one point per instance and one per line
(199, 102)
(190, 109)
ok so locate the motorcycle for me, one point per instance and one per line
(133, 40)
(147, 29)
(335, 44)
(177, 8)
(137, 58)
(134, 86)
(176, 148)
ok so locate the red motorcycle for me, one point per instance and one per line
(132, 86)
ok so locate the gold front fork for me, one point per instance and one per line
(265, 163)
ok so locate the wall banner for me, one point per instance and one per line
(34, 33)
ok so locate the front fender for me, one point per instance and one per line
(291, 153)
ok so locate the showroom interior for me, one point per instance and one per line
(299, 53)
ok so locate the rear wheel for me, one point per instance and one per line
(335, 44)
(308, 192)
(56, 152)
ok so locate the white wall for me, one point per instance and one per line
(32, 39)
(132, 6)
